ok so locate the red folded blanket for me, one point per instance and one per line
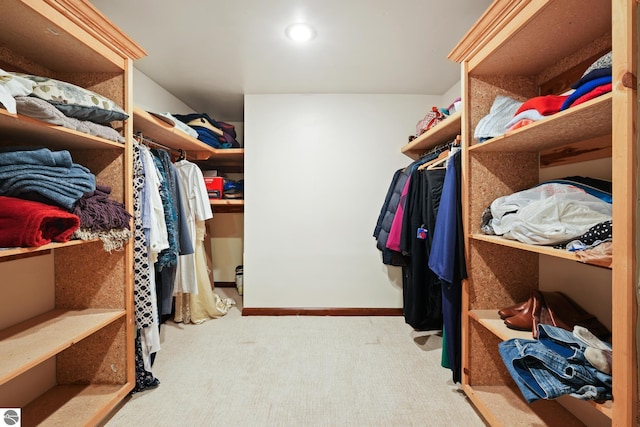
(27, 223)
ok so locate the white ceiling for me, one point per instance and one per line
(209, 53)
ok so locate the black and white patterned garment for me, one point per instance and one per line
(143, 304)
(599, 233)
(144, 378)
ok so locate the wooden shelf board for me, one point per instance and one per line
(545, 250)
(65, 405)
(29, 343)
(444, 131)
(227, 205)
(568, 24)
(33, 131)
(490, 320)
(503, 405)
(221, 158)
(68, 48)
(582, 122)
(7, 252)
(226, 202)
(165, 134)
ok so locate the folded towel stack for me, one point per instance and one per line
(44, 176)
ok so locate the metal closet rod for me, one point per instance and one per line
(148, 141)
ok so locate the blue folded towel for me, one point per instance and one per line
(41, 156)
(46, 176)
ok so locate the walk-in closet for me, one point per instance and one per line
(319, 213)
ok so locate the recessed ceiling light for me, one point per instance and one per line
(300, 32)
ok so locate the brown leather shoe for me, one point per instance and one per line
(523, 321)
(561, 311)
(513, 309)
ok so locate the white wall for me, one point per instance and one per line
(150, 96)
(451, 95)
(317, 169)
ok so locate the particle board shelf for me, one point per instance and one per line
(227, 158)
(444, 131)
(13, 252)
(66, 405)
(67, 48)
(583, 122)
(224, 159)
(167, 135)
(564, 33)
(502, 405)
(544, 250)
(32, 131)
(490, 320)
(227, 205)
(226, 202)
(29, 343)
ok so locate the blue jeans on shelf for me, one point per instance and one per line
(552, 366)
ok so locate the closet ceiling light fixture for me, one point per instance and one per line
(300, 32)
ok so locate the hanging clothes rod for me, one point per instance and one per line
(441, 147)
(138, 136)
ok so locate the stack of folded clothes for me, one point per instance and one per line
(211, 132)
(45, 176)
(60, 103)
(493, 124)
(558, 363)
(45, 197)
(205, 126)
(595, 81)
(534, 109)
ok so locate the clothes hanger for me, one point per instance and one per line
(441, 161)
(183, 154)
(442, 156)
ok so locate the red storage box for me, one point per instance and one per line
(215, 185)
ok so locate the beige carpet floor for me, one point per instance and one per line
(298, 371)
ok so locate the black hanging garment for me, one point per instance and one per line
(422, 295)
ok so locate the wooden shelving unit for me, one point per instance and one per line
(444, 131)
(227, 160)
(46, 335)
(170, 136)
(70, 357)
(521, 49)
